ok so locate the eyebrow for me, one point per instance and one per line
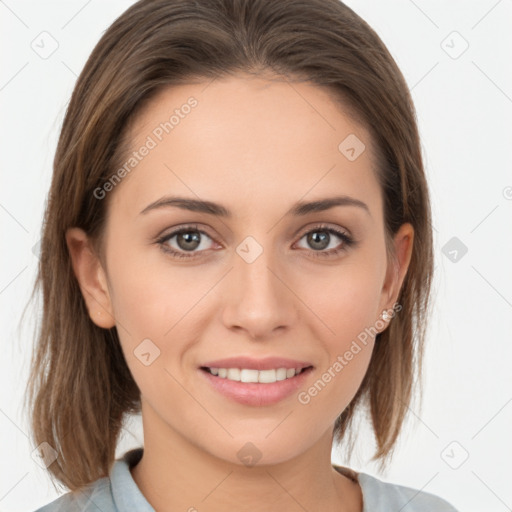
(300, 208)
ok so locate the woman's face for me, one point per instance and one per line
(260, 274)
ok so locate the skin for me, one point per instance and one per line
(256, 146)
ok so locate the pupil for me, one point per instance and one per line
(188, 240)
(318, 239)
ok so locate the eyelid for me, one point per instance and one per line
(194, 226)
(322, 226)
(168, 234)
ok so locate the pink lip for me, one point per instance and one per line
(255, 393)
(250, 363)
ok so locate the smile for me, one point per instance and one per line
(256, 387)
(250, 375)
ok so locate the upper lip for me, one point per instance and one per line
(267, 363)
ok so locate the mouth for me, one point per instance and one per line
(256, 388)
(251, 375)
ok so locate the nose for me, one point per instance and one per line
(258, 298)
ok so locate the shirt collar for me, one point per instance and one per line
(125, 492)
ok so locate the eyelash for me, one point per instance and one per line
(347, 240)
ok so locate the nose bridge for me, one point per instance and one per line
(258, 300)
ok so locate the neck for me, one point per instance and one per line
(174, 474)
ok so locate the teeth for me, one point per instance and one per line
(233, 374)
(281, 373)
(248, 375)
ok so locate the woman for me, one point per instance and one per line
(237, 244)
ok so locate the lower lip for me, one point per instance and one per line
(254, 393)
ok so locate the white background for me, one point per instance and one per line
(464, 108)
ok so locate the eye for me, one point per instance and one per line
(190, 241)
(187, 240)
(322, 237)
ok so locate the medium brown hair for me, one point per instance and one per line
(80, 388)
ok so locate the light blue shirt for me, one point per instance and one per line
(119, 493)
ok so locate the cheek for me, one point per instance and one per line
(334, 387)
(155, 308)
(157, 300)
(346, 307)
(345, 298)
(150, 296)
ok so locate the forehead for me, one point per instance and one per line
(250, 141)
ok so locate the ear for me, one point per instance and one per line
(91, 278)
(397, 267)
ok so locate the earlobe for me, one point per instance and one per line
(398, 266)
(91, 278)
